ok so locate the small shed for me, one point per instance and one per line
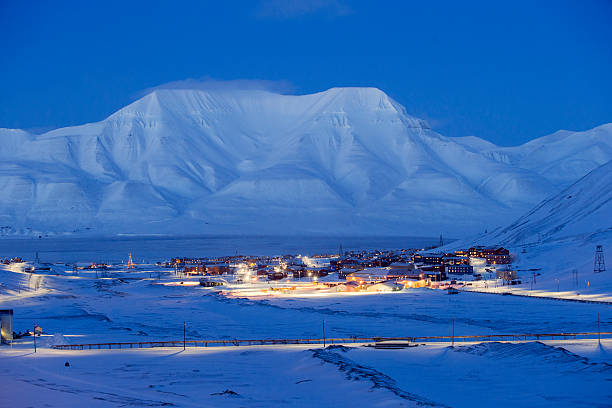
(6, 325)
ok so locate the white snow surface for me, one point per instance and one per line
(129, 306)
(346, 160)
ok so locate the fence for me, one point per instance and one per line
(348, 340)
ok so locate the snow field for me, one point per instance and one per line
(78, 310)
(539, 374)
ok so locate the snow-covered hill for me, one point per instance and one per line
(585, 207)
(343, 161)
(559, 236)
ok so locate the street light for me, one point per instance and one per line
(37, 330)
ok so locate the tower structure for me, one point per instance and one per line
(130, 263)
(600, 264)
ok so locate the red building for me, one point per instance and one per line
(493, 255)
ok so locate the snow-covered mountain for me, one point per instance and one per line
(558, 236)
(581, 210)
(343, 161)
(562, 157)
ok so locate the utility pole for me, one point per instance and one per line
(323, 333)
(184, 334)
(598, 331)
(600, 264)
(453, 336)
(35, 338)
(575, 276)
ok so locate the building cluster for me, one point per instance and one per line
(418, 264)
(265, 267)
(409, 267)
(8, 261)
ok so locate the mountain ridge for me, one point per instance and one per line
(345, 159)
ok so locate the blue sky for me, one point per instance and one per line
(504, 71)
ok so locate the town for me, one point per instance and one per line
(352, 271)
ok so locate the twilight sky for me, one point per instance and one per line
(504, 71)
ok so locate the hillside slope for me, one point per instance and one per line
(585, 207)
(558, 237)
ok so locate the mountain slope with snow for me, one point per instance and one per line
(562, 157)
(558, 238)
(346, 160)
(583, 208)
